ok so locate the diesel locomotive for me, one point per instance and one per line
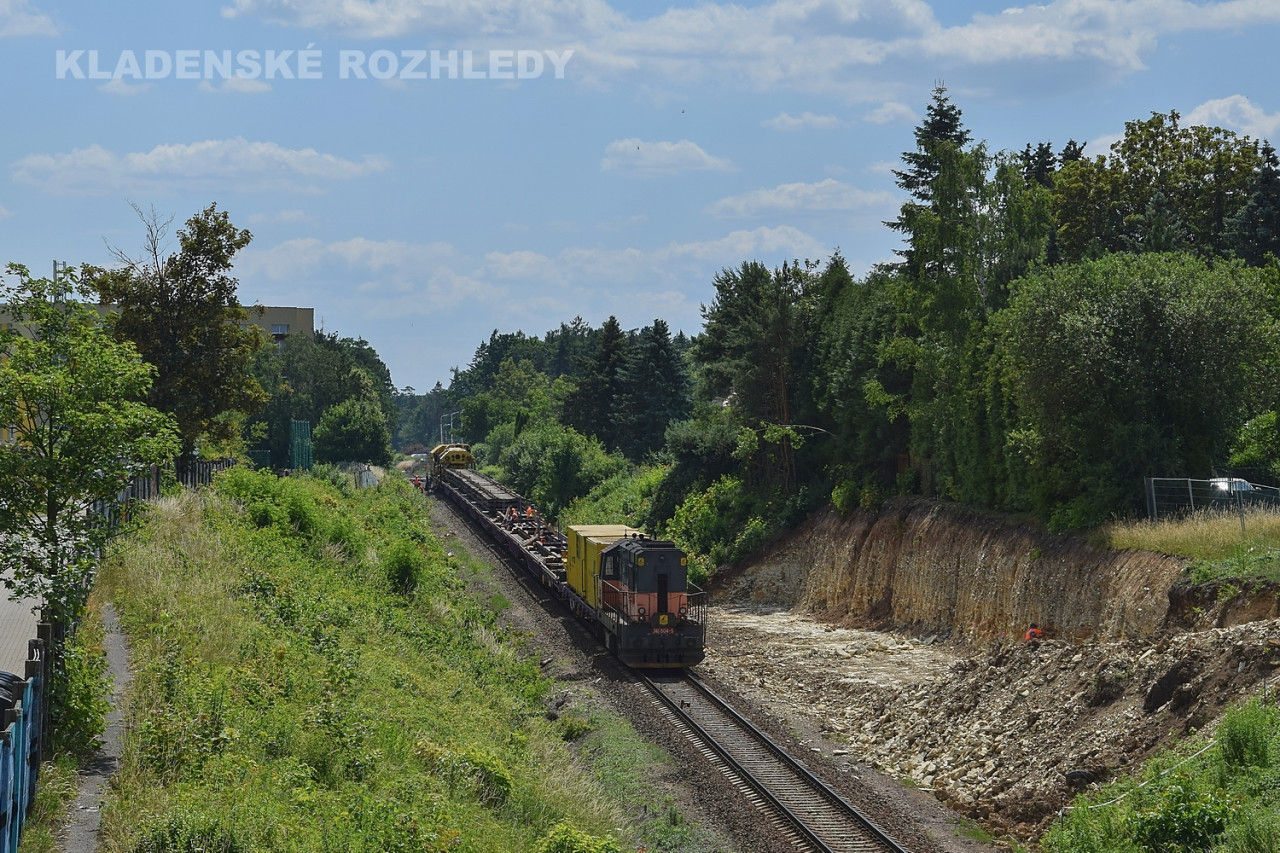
(631, 590)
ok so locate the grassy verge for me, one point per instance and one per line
(310, 676)
(1220, 794)
(1215, 543)
(54, 796)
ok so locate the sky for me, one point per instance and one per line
(423, 172)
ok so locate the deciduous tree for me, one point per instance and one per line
(181, 313)
(72, 397)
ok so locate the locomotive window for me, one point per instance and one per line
(609, 568)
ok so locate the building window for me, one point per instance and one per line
(279, 330)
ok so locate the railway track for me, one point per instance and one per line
(800, 804)
(802, 807)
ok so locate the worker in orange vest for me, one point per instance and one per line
(1033, 633)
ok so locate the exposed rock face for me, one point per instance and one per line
(930, 568)
(1002, 730)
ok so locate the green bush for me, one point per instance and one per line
(80, 691)
(1245, 735)
(1256, 831)
(564, 838)
(184, 832)
(403, 565)
(1183, 820)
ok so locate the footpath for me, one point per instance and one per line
(81, 833)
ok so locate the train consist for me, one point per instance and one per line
(633, 591)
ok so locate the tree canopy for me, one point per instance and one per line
(73, 398)
(181, 313)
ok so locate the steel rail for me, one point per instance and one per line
(829, 814)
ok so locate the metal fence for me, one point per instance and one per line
(199, 472)
(24, 718)
(1169, 497)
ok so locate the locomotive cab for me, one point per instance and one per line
(655, 617)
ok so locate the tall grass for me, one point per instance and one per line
(1215, 542)
(1222, 794)
(303, 684)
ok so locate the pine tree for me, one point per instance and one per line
(941, 126)
(1254, 232)
(590, 408)
(654, 391)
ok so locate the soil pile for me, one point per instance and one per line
(1002, 730)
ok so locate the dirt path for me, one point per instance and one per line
(81, 832)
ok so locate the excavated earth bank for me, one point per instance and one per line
(894, 638)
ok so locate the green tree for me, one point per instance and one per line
(306, 376)
(750, 354)
(942, 127)
(654, 391)
(552, 465)
(1162, 186)
(590, 406)
(354, 430)
(982, 221)
(1254, 232)
(420, 415)
(72, 397)
(858, 318)
(182, 315)
(1133, 366)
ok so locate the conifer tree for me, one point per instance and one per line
(655, 391)
(1254, 232)
(591, 408)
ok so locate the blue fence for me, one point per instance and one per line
(23, 715)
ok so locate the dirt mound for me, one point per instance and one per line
(1002, 730)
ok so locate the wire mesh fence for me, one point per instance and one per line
(1172, 497)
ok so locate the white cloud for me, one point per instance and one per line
(19, 18)
(388, 18)
(117, 86)
(826, 195)
(667, 266)
(890, 112)
(236, 164)
(650, 159)
(788, 122)
(5, 212)
(797, 44)
(1101, 144)
(236, 86)
(1238, 113)
(374, 278)
(281, 217)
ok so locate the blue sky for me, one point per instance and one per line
(421, 212)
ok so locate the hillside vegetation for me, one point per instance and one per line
(311, 675)
(1056, 326)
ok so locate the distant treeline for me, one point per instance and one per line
(1056, 328)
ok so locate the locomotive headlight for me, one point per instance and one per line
(683, 610)
(640, 610)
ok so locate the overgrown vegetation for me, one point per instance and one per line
(1220, 794)
(305, 683)
(1217, 545)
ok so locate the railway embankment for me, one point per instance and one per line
(929, 568)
